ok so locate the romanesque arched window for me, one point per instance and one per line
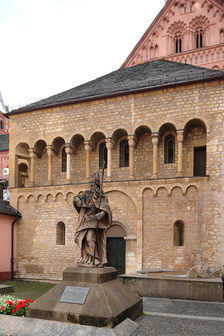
(178, 44)
(199, 38)
(63, 160)
(169, 149)
(102, 155)
(124, 153)
(60, 233)
(178, 238)
(22, 174)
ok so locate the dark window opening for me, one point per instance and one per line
(60, 234)
(124, 153)
(199, 39)
(102, 155)
(178, 234)
(169, 149)
(1, 124)
(178, 44)
(200, 161)
(63, 160)
(22, 174)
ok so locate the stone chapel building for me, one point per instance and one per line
(159, 126)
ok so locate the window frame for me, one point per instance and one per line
(124, 153)
(103, 155)
(60, 233)
(178, 233)
(63, 160)
(167, 139)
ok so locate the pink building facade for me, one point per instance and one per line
(185, 31)
(4, 150)
(8, 233)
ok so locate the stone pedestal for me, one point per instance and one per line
(103, 300)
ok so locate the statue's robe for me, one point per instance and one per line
(91, 204)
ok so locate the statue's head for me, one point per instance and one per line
(95, 180)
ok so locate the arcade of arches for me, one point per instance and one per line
(166, 153)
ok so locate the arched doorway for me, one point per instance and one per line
(116, 248)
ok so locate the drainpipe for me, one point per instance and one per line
(12, 249)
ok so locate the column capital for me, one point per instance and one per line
(68, 149)
(131, 141)
(155, 138)
(49, 150)
(87, 145)
(109, 143)
(180, 135)
(32, 153)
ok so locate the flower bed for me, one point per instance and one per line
(9, 305)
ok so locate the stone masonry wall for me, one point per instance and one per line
(195, 109)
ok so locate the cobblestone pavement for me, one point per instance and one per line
(166, 317)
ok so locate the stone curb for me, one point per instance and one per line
(25, 326)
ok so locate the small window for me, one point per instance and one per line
(124, 153)
(63, 160)
(185, 10)
(22, 174)
(1, 124)
(169, 149)
(178, 42)
(102, 155)
(178, 234)
(60, 234)
(199, 39)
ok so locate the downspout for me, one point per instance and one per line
(12, 248)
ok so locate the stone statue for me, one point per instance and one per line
(94, 218)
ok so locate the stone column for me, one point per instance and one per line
(87, 149)
(131, 143)
(109, 145)
(180, 153)
(154, 162)
(49, 171)
(68, 163)
(16, 171)
(32, 166)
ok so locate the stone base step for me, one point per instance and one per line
(6, 289)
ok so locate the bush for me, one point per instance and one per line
(9, 305)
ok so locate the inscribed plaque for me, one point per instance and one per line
(73, 294)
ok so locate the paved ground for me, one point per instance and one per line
(162, 317)
(166, 317)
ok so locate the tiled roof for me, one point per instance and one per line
(146, 76)
(7, 209)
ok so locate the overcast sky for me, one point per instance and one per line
(48, 46)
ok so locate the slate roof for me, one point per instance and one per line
(142, 77)
(4, 142)
(7, 209)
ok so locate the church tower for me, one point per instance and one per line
(186, 31)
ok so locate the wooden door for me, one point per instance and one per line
(200, 161)
(116, 254)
